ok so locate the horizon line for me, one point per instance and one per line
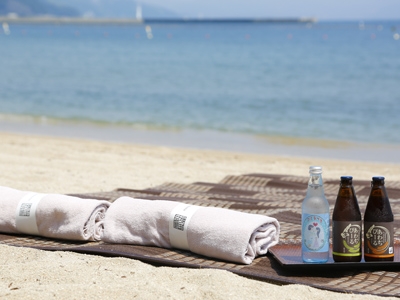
(135, 21)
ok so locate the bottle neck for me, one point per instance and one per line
(378, 190)
(315, 185)
(345, 183)
(378, 204)
(346, 186)
(377, 185)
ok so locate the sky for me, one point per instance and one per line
(321, 9)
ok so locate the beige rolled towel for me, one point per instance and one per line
(214, 232)
(51, 215)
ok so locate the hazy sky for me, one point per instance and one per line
(321, 9)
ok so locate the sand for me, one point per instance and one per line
(65, 165)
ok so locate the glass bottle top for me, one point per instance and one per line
(346, 180)
(378, 179)
(315, 170)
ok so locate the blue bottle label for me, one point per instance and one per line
(315, 233)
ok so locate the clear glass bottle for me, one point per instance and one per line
(346, 224)
(378, 224)
(315, 220)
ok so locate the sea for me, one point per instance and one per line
(328, 89)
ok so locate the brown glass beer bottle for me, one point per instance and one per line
(378, 224)
(346, 224)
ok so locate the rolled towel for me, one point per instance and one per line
(214, 232)
(51, 215)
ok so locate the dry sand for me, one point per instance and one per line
(60, 165)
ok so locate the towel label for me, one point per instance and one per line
(178, 224)
(25, 220)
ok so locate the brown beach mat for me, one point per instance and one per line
(273, 195)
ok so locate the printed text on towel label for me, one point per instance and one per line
(179, 222)
(25, 210)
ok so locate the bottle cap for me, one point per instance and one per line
(346, 177)
(315, 169)
(378, 179)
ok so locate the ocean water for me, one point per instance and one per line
(337, 81)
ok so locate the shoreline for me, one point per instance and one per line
(206, 140)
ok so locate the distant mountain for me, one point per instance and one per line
(25, 8)
(117, 9)
(85, 8)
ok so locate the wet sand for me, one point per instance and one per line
(202, 139)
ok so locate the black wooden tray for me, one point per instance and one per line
(289, 256)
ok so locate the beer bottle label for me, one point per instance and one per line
(346, 238)
(378, 239)
(315, 233)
